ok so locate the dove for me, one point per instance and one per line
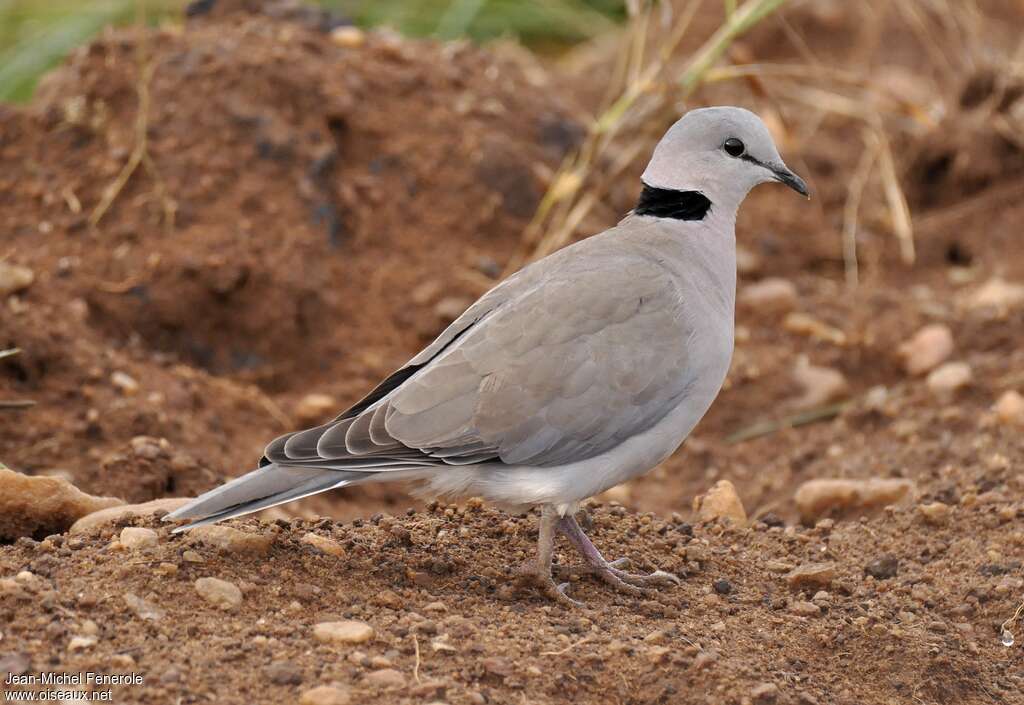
(581, 371)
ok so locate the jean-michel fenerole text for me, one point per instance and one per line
(87, 678)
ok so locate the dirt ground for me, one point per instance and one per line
(309, 209)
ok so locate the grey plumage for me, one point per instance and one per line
(577, 373)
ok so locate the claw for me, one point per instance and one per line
(556, 591)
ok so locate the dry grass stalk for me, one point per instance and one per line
(852, 208)
(641, 103)
(140, 152)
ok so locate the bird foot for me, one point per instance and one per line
(636, 584)
(531, 573)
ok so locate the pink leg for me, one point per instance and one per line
(539, 572)
(631, 583)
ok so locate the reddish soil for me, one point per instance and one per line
(332, 207)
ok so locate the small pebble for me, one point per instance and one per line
(936, 513)
(769, 296)
(883, 568)
(231, 540)
(134, 537)
(283, 673)
(124, 382)
(388, 598)
(386, 678)
(1010, 408)
(929, 348)
(143, 609)
(812, 574)
(346, 632)
(820, 385)
(326, 695)
(722, 586)
(949, 378)
(720, 502)
(219, 593)
(79, 643)
(805, 609)
(14, 278)
(997, 294)
(816, 498)
(324, 544)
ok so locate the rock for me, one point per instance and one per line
(720, 502)
(816, 498)
(722, 586)
(315, 408)
(346, 632)
(936, 513)
(883, 568)
(143, 610)
(803, 324)
(387, 678)
(80, 643)
(1010, 408)
(14, 278)
(124, 382)
(325, 695)
(777, 566)
(929, 348)
(997, 294)
(820, 385)
(348, 37)
(769, 296)
(389, 599)
(231, 540)
(219, 593)
(32, 505)
(805, 609)
(283, 673)
(811, 575)
(113, 514)
(134, 537)
(949, 378)
(324, 544)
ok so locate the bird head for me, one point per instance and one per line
(721, 152)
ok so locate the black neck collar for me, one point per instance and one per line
(666, 203)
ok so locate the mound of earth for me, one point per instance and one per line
(306, 208)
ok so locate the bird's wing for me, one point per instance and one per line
(571, 359)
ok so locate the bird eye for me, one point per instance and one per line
(733, 147)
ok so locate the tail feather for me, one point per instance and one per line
(266, 487)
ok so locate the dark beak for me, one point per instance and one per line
(784, 175)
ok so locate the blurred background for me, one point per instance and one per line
(243, 213)
(36, 34)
